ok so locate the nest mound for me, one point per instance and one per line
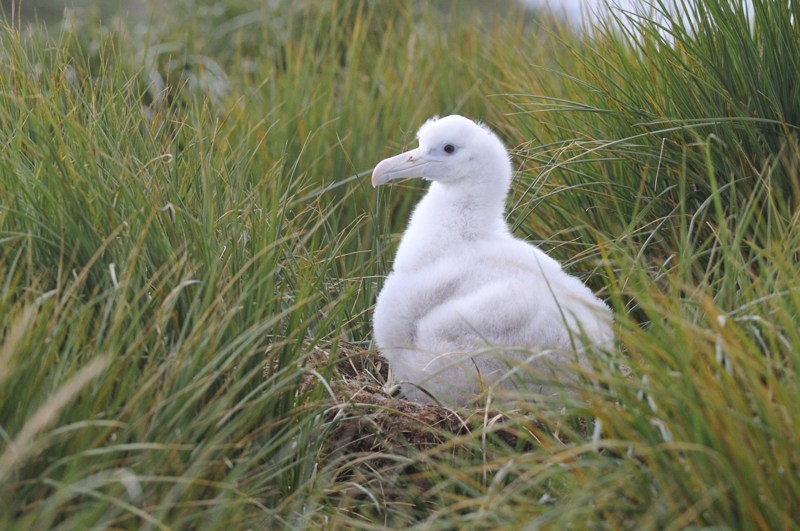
(371, 418)
(386, 451)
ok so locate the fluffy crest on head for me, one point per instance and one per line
(453, 120)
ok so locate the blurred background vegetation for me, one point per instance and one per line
(190, 250)
(52, 11)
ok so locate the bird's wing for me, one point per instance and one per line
(501, 313)
(513, 294)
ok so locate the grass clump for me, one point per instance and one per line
(189, 253)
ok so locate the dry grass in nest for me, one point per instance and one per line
(401, 449)
(370, 418)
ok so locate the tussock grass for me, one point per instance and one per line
(189, 252)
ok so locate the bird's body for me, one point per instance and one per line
(466, 301)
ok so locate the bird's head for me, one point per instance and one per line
(452, 150)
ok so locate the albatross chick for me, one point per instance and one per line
(467, 302)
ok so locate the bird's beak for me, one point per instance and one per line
(408, 164)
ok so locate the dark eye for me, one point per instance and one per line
(449, 148)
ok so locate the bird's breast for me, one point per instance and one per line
(407, 297)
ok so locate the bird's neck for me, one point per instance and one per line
(449, 216)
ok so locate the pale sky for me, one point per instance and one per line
(573, 8)
(576, 10)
